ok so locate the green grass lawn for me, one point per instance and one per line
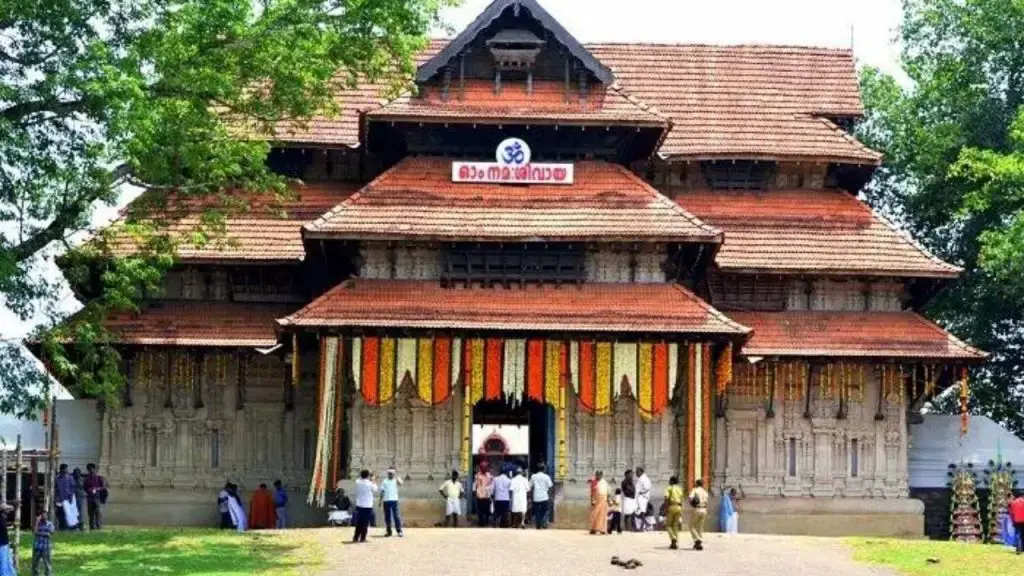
(170, 552)
(910, 557)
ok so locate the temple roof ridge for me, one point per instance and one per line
(416, 199)
(589, 307)
(490, 14)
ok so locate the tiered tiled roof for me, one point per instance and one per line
(587, 307)
(416, 199)
(199, 323)
(268, 230)
(342, 127)
(546, 104)
(851, 334)
(745, 101)
(772, 102)
(809, 231)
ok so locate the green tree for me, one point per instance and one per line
(954, 174)
(174, 96)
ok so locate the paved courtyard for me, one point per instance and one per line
(431, 551)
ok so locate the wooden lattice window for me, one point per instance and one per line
(744, 175)
(516, 263)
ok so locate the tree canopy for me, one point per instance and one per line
(954, 173)
(171, 95)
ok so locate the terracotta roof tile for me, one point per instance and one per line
(342, 127)
(546, 104)
(853, 334)
(723, 101)
(809, 231)
(269, 230)
(190, 323)
(417, 199)
(586, 307)
(745, 101)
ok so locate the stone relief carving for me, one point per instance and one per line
(803, 457)
(152, 443)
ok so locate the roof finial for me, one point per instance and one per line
(515, 8)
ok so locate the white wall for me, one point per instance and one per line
(936, 443)
(78, 427)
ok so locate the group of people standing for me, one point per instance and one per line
(266, 509)
(629, 506)
(366, 492)
(503, 500)
(77, 496)
(631, 503)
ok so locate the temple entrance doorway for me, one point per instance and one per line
(510, 436)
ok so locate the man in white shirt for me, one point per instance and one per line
(389, 495)
(366, 489)
(502, 495)
(451, 490)
(540, 485)
(644, 487)
(518, 487)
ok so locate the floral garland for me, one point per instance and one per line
(965, 418)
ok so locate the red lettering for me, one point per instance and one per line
(464, 172)
(493, 173)
(547, 173)
(536, 174)
(560, 174)
(506, 174)
(523, 173)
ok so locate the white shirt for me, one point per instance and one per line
(644, 486)
(365, 489)
(519, 487)
(541, 484)
(502, 484)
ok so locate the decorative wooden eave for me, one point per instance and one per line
(436, 64)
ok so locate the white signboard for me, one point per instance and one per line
(512, 166)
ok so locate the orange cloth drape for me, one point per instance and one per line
(261, 510)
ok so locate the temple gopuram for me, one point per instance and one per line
(641, 254)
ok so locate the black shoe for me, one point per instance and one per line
(673, 546)
(388, 535)
(697, 545)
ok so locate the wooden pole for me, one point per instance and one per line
(51, 466)
(17, 502)
(33, 482)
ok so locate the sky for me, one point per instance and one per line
(868, 25)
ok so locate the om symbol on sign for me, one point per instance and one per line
(513, 152)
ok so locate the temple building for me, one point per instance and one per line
(632, 254)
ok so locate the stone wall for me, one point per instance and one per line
(191, 422)
(778, 448)
(169, 451)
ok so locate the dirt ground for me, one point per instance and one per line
(472, 551)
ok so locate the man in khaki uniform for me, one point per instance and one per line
(699, 503)
(674, 511)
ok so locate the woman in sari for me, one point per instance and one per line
(598, 504)
(728, 514)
